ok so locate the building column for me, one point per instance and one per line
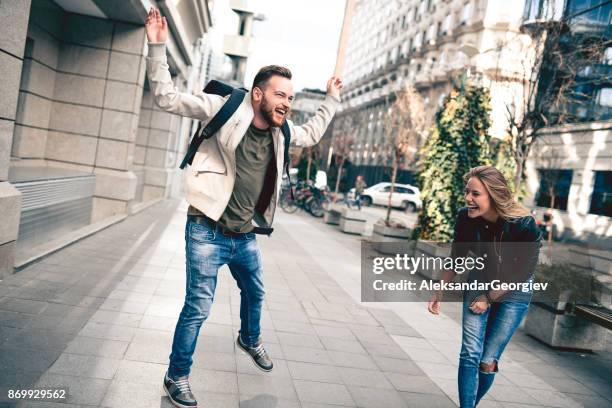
(14, 16)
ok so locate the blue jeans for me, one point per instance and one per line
(207, 249)
(485, 337)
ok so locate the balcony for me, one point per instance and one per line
(539, 13)
(237, 46)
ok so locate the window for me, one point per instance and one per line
(604, 97)
(446, 27)
(554, 183)
(466, 14)
(601, 199)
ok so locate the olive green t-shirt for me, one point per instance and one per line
(253, 155)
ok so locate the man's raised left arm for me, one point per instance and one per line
(312, 131)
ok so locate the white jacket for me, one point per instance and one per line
(210, 179)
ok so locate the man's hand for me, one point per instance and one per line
(156, 27)
(334, 85)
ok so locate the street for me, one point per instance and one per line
(98, 317)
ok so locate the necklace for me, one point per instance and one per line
(498, 254)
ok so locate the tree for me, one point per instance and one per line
(342, 145)
(307, 165)
(458, 141)
(558, 75)
(404, 125)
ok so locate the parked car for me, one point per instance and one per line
(404, 196)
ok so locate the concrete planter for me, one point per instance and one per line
(332, 214)
(392, 240)
(549, 323)
(432, 250)
(352, 221)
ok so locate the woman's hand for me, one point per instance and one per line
(156, 27)
(480, 304)
(434, 304)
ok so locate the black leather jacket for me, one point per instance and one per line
(510, 248)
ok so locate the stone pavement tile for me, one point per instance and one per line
(122, 394)
(140, 372)
(6, 332)
(85, 366)
(550, 398)
(97, 347)
(364, 378)
(434, 370)
(280, 387)
(334, 332)
(302, 340)
(289, 316)
(430, 356)
(343, 359)
(371, 334)
(310, 391)
(130, 296)
(568, 385)
(266, 401)
(316, 405)
(203, 381)
(158, 323)
(86, 391)
(14, 359)
(108, 331)
(415, 400)
(398, 366)
(124, 306)
(327, 323)
(314, 372)
(385, 350)
(15, 319)
(375, 397)
(22, 306)
(601, 387)
(338, 344)
(119, 318)
(48, 404)
(590, 401)
(214, 361)
(414, 383)
(247, 366)
(152, 352)
(14, 381)
(510, 393)
(152, 336)
(402, 330)
(306, 354)
(170, 310)
(40, 339)
(293, 327)
(76, 299)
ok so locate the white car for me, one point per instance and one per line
(404, 196)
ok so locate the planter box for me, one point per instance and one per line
(548, 324)
(392, 240)
(352, 221)
(332, 214)
(431, 250)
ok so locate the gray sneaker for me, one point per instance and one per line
(258, 354)
(179, 391)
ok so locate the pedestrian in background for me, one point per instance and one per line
(499, 229)
(360, 185)
(234, 181)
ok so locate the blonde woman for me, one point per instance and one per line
(493, 225)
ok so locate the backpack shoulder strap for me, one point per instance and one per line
(221, 117)
(287, 159)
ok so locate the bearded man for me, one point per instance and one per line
(234, 179)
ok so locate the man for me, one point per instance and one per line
(360, 185)
(234, 179)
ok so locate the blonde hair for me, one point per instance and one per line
(499, 191)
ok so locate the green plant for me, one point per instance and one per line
(458, 141)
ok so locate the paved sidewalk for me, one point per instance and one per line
(98, 317)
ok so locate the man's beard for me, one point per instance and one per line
(267, 111)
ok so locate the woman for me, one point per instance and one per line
(499, 229)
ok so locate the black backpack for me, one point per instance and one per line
(227, 110)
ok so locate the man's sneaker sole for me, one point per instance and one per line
(245, 351)
(176, 404)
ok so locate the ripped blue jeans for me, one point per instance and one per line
(207, 250)
(485, 336)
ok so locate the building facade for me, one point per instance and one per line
(82, 141)
(571, 164)
(428, 44)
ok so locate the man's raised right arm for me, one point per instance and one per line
(165, 94)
